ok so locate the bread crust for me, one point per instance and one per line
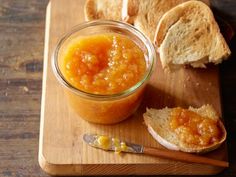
(130, 10)
(103, 9)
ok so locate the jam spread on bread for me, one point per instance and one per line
(194, 129)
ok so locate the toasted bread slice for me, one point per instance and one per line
(145, 14)
(103, 9)
(158, 123)
(189, 34)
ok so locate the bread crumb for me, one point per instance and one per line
(25, 89)
(6, 94)
(3, 72)
(197, 84)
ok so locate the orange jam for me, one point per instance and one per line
(103, 63)
(194, 129)
(107, 143)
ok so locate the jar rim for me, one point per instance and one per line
(124, 93)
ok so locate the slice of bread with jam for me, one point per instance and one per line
(194, 130)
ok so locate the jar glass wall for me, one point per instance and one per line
(102, 108)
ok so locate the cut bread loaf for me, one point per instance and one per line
(189, 34)
(158, 124)
(103, 9)
(145, 14)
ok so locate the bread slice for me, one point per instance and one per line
(103, 9)
(145, 14)
(158, 124)
(189, 34)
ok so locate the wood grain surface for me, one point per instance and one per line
(62, 150)
(21, 60)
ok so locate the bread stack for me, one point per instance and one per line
(184, 32)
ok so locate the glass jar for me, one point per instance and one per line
(110, 108)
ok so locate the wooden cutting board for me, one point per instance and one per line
(61, 149)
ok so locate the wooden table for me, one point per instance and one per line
(21, 62)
